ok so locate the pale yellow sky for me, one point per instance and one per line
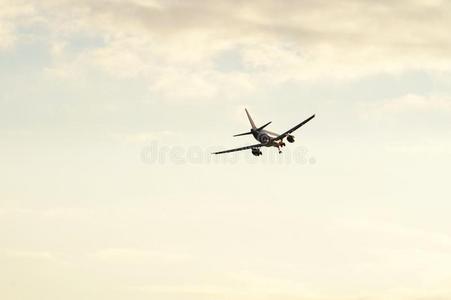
(109, 110)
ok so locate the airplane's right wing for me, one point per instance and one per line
(283, 135)
(239, 149)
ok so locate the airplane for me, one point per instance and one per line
(265, 137)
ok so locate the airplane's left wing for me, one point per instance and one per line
(239, 149)
(285, 134)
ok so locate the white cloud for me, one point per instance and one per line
(127, 255)
(420, 108)
(421, 147)
(403, 261)
(12, 14)
(412, 102)
(140, 137)
(174, 45)
(34, 255)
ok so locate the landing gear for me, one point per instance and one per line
(256, 152)
(280, 145)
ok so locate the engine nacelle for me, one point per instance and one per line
(256, 152)
(290, 139)
(264, 138)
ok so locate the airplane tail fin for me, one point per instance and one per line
(250, 119)
(254, 128)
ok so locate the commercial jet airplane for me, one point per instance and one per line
(266, 138)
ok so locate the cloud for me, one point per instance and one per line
(175, 45)
(428, 147)
(12, 15)
(128, 255)
(34, 255)
(412, 102)
(403, 261)
(140, 137)
(402, 236)
(423, 112)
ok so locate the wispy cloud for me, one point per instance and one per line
(176, 43)
(127, 255)
(412, 102)
(423, 110)
(93, 79)
(12, 15)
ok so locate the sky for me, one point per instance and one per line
(109, 111)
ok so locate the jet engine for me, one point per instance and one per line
(264, 138)
(256, 152)
(290, 139)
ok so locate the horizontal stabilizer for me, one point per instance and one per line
(258, 129)
(246, 133)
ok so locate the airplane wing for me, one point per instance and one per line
(239, 149)
(283, 135)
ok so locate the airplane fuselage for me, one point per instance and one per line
(267, 138)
